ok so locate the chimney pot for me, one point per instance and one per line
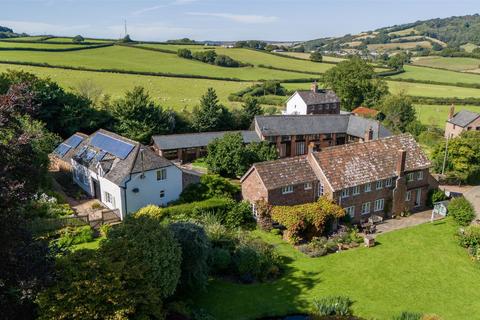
(402, 156)
(451, 113)
(314, 87)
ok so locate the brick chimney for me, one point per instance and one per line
(400, 169)
(451, 113)
(314, 87)
(368, 135)
(310, 147)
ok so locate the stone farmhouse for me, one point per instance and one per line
(121, 173)
(461, 121)
(382, 177)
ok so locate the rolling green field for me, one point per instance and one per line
(451, 63)
(436, 115)
(132, 59)
(69, 40)
(5, 44)
(173, 93)
(419, 269)
(33, 38)
(256, 58)
(429, 74)
(414, 89)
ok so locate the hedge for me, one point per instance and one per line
(288, 70)
(215, 206)
(59, 50)
(445, 101)
(456, 84)
(147, 48)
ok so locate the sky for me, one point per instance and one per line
(225, 20)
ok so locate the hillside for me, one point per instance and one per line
(434, 33)
(8, 33)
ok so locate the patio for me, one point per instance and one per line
(405, 222)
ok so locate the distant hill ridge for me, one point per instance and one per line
(8, 33)
(454, 32)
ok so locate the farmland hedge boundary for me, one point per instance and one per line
(80, 47)
(445, 101)
(441, 83)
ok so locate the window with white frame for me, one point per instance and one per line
(350, 211)
(307, 186)
(287, 189)
(379, 184)
(356, 190)
(389, 182)
(408, 196)
(366, 208)
(410, 177)
(320, 190)
(420, 175)
(368, 187)
(109, 198)
(161, 174)
(162, 193)
(345, 193)
(379, 204)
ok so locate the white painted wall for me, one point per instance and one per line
(149, 189)
(296, 105)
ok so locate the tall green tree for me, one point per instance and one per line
(138, 117)
(250, 109)
(230, 157)
(399, 112)
(355, 83)
(316, 56)
(211, 115)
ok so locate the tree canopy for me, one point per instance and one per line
(355, 83)
(399, 112)
(210, 115)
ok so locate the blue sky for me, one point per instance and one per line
(220, 19)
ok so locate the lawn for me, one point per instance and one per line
(416, 269)
(93, 245)
(173, 93)
(133, 59)
(429, 74)
(436, 115)
(450, 63)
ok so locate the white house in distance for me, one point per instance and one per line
(313, 101)
(123, 174)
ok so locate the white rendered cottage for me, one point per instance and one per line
(313, 101)
(123, 174)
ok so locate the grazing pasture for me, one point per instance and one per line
(451, 63)
(401, 45)
(429, 74)
(410, 270)
(306, 56)
(173, 93)
(133, 59)
(436, 115)
(69, 40)
(33, 38)
(26, 45)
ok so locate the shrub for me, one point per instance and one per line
(470, 237)
(332, 306)
(195, 252)
(461, 211)
(239, 215)
(435, 195)
(151, 211)
(303, 222)
(45, 206)
(255, 259)
(196, 210)
(104, 229)
(184, 53)
(264, 215)
(315, 248)
(210, 186)
(220, 260)
(75, 235)
(406, 315)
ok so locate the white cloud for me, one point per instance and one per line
(34, 27)
(242, 18)
(144, 10)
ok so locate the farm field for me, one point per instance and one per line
(131, 59)
(410, 270)
(5, 44)
(69, 40)
(33, 38)
(429, 74)
(306, 56)
(451, 63)
(436, 115)
(173, 93)
(414, 89)
(257, 57)
(469, 47)
(402, 45)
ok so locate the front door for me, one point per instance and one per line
(96, 189)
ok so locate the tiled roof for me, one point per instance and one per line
(284, 172)
(359, 163)
(278, 125)
(115, 169)
(191, 140)
(464, 117)
(364, 111)
(319, 97)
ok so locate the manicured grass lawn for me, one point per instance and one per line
(451, 63)
(437, 114)
(173, 93)
(93, 245)
(133, 59)
(421, 73)
(417, 269)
